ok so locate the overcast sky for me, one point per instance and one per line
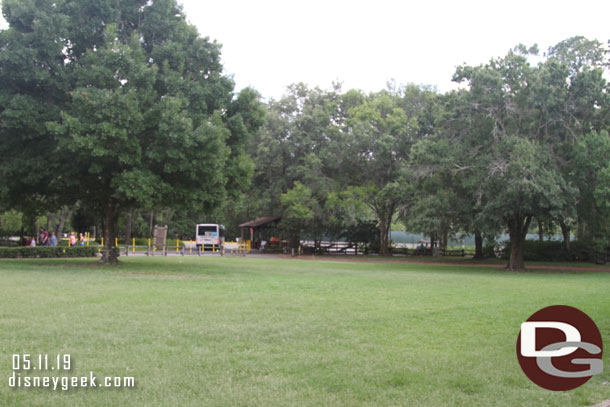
(269, 44)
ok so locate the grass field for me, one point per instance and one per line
(282, 332)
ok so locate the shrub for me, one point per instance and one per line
(580, 250)
(489, 251)
(273, 249)
(47, 252)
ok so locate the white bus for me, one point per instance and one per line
(210, 235)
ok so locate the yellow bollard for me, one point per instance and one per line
(116, 242)
(213, 247)
(102, 242)
(87, 239)
(177, 241)
(133, 244)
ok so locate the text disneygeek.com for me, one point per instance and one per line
(24, 366)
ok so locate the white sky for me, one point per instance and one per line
(269, 44)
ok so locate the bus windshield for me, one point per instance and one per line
(207, 231)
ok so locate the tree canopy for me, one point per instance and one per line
(112, 108)
(122, 104)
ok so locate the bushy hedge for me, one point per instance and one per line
(534, 250)
(47, 252)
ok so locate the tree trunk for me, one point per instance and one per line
(517, 226)
(63, 215)
(294, 240)
(51, 225)
(384, 217)
(581, 229)
(478, 245)
(383, 237)
(565, 231)
(444, 239)
(110, 253)
(389, 233)
(128, 224)
(150, 224)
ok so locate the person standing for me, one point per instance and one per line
(53, 239)
(72, 239)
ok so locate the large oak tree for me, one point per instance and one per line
(118, 104)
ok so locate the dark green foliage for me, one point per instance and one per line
(47, 252)
(363, 232)
(580, 250)
(117, 105)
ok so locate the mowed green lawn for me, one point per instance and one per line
(283, 332)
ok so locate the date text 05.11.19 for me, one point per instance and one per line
(29, 361)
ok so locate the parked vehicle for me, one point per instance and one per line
(210, 236)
